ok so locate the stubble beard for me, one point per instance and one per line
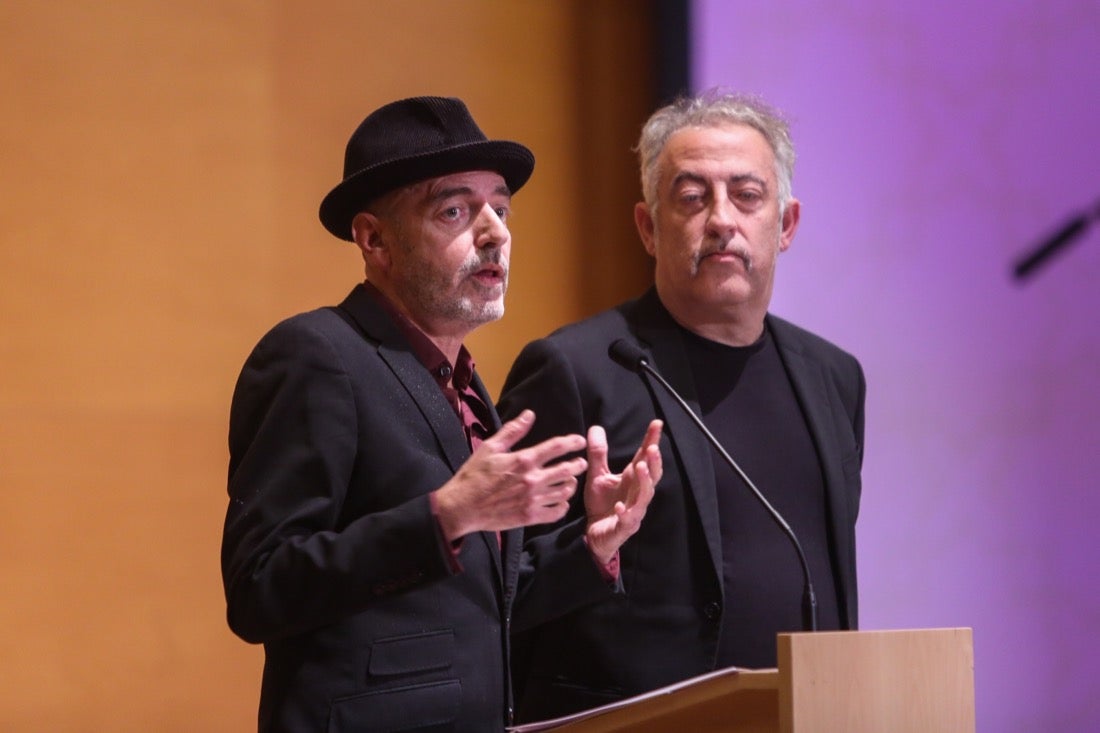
(441, 296)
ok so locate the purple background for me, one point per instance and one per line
(937, 143)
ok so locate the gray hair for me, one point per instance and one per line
(711, 109)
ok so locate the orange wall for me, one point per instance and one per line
(162, 167)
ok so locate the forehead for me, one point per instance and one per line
(722, 150)
(482, 183)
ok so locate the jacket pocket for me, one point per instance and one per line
(431, 706)
(412, 653)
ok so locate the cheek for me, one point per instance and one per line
(679, 241)
(676, 262)
(448, 256)
(685, 254)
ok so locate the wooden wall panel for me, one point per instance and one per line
(162, 167)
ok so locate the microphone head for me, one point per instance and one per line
(627, 354)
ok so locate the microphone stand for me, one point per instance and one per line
(809, 599)
(1070, 231)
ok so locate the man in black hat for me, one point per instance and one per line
(372, 541)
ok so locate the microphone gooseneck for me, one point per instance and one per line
(1071, 231)
(632, 357)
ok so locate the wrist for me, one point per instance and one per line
(446, 516)
(607, 565)
(601, 556)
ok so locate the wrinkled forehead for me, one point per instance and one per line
(482, 184)
(473, 183)
(718, 149)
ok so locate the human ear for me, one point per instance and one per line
(643, 220)
(366, 228)
(789, 223)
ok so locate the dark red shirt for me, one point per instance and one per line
(454, 380)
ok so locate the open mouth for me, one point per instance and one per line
(490, 274)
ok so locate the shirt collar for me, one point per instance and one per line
(427, 353)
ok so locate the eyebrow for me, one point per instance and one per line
(446, 193)
(690, 177)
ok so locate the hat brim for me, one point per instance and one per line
(512, 161)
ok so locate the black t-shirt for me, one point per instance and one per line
(748, 403)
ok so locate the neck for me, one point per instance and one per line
(732, 326)
(447, 339)
(449, 346)
(726, 333)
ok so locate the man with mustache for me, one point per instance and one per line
(709, 578)
(372, 541)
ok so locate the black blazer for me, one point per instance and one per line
(665, 627)
(331, 557)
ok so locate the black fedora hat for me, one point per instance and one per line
(412, 140)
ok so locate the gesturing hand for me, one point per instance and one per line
(616, 503)
(499, 489)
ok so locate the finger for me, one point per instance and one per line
(559, 493)
(597, 450)
(649, 483)
(557, 473)
(655, 463)
(653, 433)
(550, 505)
(512, 431)
(640, 489)
(652, 437)
(551, 513)
(552, 449)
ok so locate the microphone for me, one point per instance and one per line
(631, 356)
(1052, 245)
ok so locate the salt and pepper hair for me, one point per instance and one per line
(713, 109)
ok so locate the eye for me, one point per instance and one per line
(691, 199)
(454, 214)
(502, 212)
(749, 197)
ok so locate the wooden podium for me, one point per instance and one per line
(919, 681)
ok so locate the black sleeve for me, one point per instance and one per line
(558, 573)
(291, 560)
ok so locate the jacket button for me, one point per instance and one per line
(712, 610)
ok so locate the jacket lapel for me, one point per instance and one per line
(660, 336)
(377, 327)
(820, 406)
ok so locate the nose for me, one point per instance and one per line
(490, 229)
(722, 217)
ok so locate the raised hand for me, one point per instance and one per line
(616, 503)
(499, 489)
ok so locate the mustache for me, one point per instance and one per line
(710, 248)
(487, 256)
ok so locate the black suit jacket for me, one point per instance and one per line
(331, 557)
(665, 627)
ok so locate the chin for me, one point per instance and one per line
(728, 291)
(479, 313)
